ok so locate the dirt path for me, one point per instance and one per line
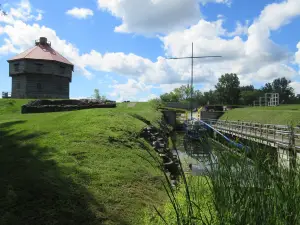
(132, 104)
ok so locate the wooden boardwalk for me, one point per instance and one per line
(278, 136)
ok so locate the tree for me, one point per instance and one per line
(247, 88)
(228, 88)
(248, 97)
(98, 96)
(281, 86)
(180, 94)
(210, 97)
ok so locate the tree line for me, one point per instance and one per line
(229, 91)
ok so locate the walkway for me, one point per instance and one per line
(270, 134)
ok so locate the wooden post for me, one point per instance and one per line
(292, 150)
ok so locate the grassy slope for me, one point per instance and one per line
(80, 167)
(284, 114)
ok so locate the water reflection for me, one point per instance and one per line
(196, 155)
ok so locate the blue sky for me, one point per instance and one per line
(120, 47)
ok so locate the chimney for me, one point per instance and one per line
(43, 41)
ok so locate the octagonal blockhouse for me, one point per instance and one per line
(40, 72)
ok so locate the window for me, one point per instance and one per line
(39, 67)
(62, 69)
(18, 86)
(39, 86)
(17, 67)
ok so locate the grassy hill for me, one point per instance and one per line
(284, 114)
(79, 167)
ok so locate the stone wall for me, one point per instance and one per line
(43, 106)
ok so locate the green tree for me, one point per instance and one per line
(248, 97)
(98, 96)
(228, 89)
(281, 86)
(247, 88)
(180, 94)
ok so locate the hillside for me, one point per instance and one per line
(80, 167)
(284, 114)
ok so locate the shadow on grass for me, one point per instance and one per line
(34, 189)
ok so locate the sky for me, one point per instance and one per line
(121, 47)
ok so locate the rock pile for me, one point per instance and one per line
(159, 141)
(41, 106)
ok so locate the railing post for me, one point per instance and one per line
(292, 150)
(275, 132)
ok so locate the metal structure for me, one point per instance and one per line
(269, 99)
(192, 72)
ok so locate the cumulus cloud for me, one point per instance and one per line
(80, 13)
(296, 86)
(154, 16)
(255, 59)
(297, 55)
(258, 57)
(130, 90)
(240, 29)
(22, 11)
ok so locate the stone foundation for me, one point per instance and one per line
(43, 106)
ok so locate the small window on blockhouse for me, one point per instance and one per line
(39, 67)
(62, 69)
(39, 86)
(17, 67)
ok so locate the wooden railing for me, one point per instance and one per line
(271, 134)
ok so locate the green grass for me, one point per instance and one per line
(285, 114)
(79, 167)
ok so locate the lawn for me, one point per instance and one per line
(79, 167)
(284, 114)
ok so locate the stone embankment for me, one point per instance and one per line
(42, 106)
(159, 140)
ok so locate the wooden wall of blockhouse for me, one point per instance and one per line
(18, 86)
(51, 86)
(48, 67)
(40, 79)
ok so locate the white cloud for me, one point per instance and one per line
(80, 13)
(23, 11)
(169, 87)
(297, 55)
(296, 86)
(227, 2)
(240, 29)
(154, 16)
(275, 70)
(149, 97)
(130, 90)
(257, 58)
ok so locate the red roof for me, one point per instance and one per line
(42, 52)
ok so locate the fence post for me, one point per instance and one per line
(292, 150)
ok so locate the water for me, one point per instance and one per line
(196, 155)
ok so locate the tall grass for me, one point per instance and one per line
(239, 189)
